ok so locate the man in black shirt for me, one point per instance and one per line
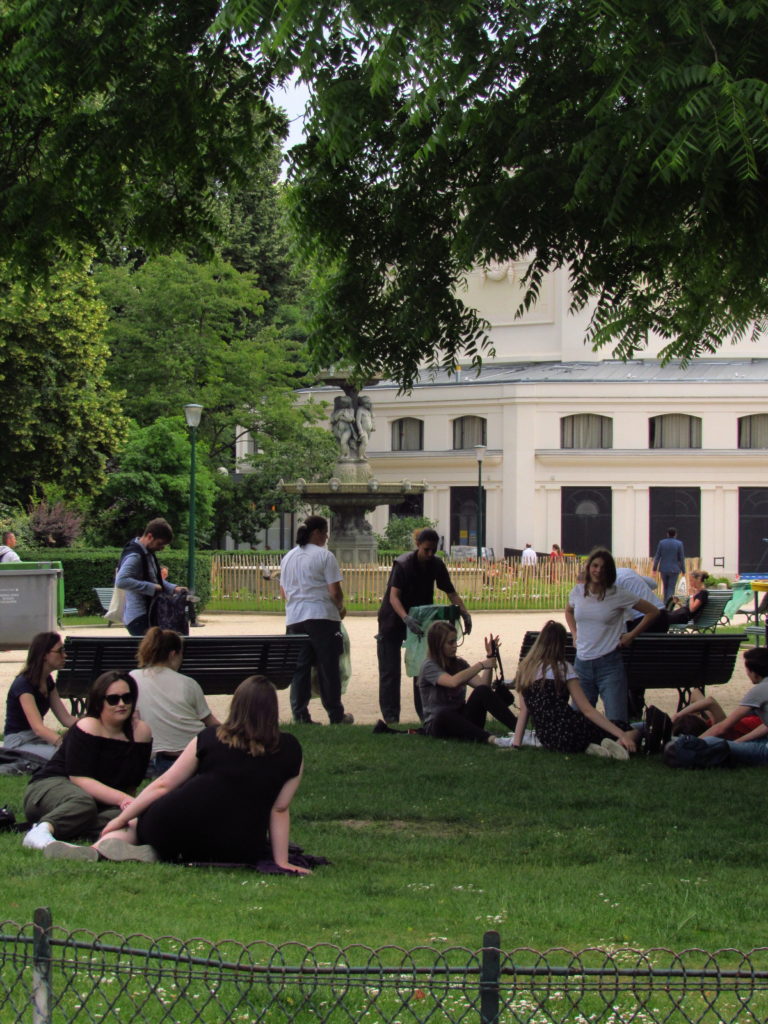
(411, 583)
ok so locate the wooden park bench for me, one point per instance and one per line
(217, 663)
(671, 661)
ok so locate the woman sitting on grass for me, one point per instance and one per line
(32, 694)
(225, 800)
(546, 683)
(92, 775)
(173, 705)
(443, 684)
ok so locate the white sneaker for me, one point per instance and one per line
(596, 750)
(506, 742)
(57, 850)
(38, 837)
(615, 750)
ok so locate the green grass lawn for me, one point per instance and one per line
(434, 842)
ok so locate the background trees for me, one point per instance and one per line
(626, 142)
(61, 419)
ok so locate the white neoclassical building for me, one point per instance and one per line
(580, 449)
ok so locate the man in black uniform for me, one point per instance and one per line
(411, 583)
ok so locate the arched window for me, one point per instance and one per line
(753, 431)
(408, 435)
(586, 430)
(674, 430)
(469, 431)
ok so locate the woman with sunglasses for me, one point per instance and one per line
(93, 774)
(32, 695)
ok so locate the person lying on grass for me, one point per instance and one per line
(703, 712)
(93, 774)
(225, 800)
(546, 684)
(443, 682)
(751, 748)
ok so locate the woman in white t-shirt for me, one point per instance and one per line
(596, 614)
(173, 705)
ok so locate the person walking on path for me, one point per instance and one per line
(310, 583)
(139, 575)
(411, 584)
(669, 561)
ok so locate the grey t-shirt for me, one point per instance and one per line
(435, 698)
(756, 697)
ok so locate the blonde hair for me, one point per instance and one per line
(548, 652)
(437, 634)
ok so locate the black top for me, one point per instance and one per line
(15, 719)
(416, 582)
(116, 763)
(221, 814)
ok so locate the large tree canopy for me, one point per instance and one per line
(624, 141)
(120, 119)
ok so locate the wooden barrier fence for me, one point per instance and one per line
(250, 581)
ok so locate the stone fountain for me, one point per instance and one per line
(352, 490)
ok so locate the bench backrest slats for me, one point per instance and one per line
(671, 661)
(218, 663)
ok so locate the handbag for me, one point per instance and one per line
(116, 606)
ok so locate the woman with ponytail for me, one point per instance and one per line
(173, 705)
(310, 583)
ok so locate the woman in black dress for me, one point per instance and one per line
(697, 599)
(547, 686)
(227, 797)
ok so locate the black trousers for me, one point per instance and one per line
(466, 722)
(323, 650)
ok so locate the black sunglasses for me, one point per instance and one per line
(113, 699)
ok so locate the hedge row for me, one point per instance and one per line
(85, 569)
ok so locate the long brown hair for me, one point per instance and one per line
(157, 646)
(252, 722)
(42, 644)
(437, 634)
(548, 652)
(609, 571)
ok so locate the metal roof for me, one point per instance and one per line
(714, 371)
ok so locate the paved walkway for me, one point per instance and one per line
(362, 696)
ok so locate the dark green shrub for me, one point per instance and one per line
(85, 569)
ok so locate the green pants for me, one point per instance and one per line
(67, 808)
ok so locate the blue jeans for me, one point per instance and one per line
(750, 753)
(605, 677)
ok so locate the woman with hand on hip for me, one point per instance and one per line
(596, 614)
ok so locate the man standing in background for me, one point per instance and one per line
(411, 583)
(669, 561)
(7, 554)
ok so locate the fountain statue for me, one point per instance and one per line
(352, 490)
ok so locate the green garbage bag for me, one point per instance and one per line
(425, 615)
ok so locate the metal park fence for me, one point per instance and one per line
(50, 975)
(250, 581)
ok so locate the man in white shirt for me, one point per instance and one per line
(310, 582)
(529, 556)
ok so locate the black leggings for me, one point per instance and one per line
(466, 722)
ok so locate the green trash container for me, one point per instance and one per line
(31, 601)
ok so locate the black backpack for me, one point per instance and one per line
(694, 752)
(169, 611)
